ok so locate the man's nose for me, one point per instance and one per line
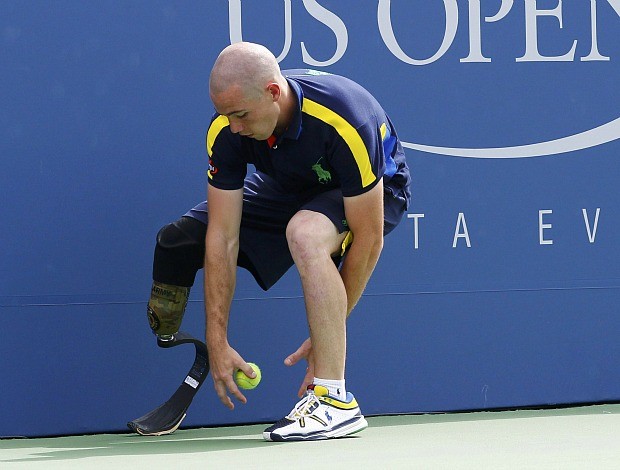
(235, 127)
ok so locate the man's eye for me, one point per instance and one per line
(242, 115)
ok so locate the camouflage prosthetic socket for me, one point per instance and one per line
(166, 308)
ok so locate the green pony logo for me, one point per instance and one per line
(324, 175)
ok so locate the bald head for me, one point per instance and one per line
(245, 65)
(247, 86)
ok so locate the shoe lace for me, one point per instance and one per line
(305, 406)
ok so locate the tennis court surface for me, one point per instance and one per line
(585, 437)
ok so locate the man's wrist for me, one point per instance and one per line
(216, 337)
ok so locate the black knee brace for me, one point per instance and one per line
(179, 252)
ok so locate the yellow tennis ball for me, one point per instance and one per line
(245, 382)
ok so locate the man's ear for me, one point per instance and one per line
(274, 90)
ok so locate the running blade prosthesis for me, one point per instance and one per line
(166, 418)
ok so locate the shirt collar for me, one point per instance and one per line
(294, 129)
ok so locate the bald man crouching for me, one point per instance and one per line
(331, 181)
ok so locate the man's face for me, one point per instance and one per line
(255, 117)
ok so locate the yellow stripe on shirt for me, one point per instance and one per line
(215, 128)
(348, 133)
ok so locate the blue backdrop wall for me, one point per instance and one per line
(499, 289)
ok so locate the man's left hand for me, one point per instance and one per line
(304, 352)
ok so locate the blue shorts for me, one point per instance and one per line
(267, 209)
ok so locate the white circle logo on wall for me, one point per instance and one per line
(584, 140)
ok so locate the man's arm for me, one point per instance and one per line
(364, 215)
(220, 266)
(221, 250)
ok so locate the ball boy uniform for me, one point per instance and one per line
(339, 143)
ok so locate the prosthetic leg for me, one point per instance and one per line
(179, 254)
(166, 418)
(165, 313)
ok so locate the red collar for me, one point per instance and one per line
(271, 141)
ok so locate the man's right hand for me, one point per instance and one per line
(224, 361)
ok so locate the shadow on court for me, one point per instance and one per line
(108, 445)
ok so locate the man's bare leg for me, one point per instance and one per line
(312, 239)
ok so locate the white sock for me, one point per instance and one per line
(335, 387)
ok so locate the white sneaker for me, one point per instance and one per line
(318, 416)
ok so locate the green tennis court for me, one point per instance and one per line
(571, 438)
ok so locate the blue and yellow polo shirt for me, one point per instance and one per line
(339, 137)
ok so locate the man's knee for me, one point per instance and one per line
(312, 234)
(298, 233)
(177, 236)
